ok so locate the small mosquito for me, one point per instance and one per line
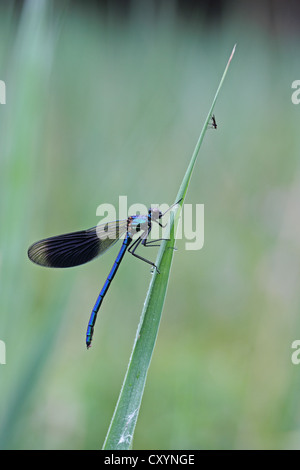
(213, 123)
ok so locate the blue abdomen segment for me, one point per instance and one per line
(93, 317)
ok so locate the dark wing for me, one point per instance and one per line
(73, 249)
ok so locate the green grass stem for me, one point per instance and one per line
(121, 430)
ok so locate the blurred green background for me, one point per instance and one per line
(101, 104)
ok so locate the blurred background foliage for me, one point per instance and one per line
(107, 99)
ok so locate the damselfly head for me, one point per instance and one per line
(155, 213)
